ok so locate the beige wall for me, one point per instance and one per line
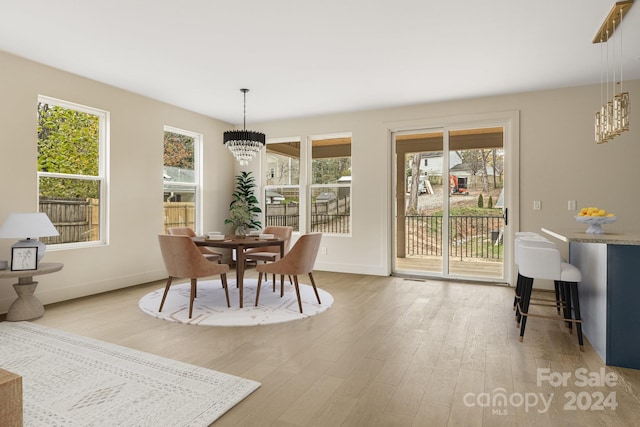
(559, 162)
(132, 256)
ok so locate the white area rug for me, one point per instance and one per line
(210, 306)
(76, 381)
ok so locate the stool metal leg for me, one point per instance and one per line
(518, 292)
(527, 286)
(576, 313)
(568, 306)
(556, 286)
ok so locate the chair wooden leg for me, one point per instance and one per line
(313, 282)
(166, 290)
(274, 282)
(192, 296)
(223, 278)
(258, 288)
(282, 285)
(295, 283)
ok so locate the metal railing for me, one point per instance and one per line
(469, 236)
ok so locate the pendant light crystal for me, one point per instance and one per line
(244, 144)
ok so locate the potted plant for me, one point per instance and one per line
(244, 206)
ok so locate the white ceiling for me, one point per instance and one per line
(302, 58)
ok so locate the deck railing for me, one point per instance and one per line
(469, 236)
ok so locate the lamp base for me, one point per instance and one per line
(30, 243)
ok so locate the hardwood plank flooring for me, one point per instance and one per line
(389, 352)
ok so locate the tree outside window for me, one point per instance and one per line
(180, 178)
(71, 141)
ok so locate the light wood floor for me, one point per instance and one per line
(389, 352)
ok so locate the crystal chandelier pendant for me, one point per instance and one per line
(244, 144)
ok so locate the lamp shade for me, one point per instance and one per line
(28, 226)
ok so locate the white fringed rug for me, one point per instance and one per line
(210, 306)
(76, 381)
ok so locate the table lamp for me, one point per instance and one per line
(28, 226)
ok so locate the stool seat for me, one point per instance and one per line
(542, 261)
(534, 239)
(570, 273)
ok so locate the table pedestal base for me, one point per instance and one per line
(27, 306)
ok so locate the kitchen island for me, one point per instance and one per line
(609, 292)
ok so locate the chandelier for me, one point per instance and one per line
(613, 117)
(244, 144)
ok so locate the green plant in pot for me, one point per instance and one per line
(244, 206)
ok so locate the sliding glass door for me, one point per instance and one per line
(449, 202)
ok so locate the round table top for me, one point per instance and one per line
(43, 268)
(234, 242)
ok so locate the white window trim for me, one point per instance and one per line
(103, 172)
(198, 139)
(302, 208)
(309, 178)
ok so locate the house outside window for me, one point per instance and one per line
(181, 179)
(282, 183)
(72, 171)
(330, 190)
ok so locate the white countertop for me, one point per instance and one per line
(579, 236)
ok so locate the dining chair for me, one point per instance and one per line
(299, 260)
(271, 253)
(182, 259)
(208, 253)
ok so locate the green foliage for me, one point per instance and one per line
(329, 170)
(480, 201)
(244, 207)
(464, 211)
(68, 143)
(239, 214)
(490, 204)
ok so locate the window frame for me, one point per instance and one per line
(310, 185)
(102, 177)
(299, 185)
(198, 207)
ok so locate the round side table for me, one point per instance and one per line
(27, 306)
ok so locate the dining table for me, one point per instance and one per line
(240, 244)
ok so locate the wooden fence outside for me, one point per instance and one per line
(179, 214)
(77, 220)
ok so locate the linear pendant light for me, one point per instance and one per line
(613, 117)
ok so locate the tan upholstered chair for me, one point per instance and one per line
(271, 253)
(182, 259)
(209, 254)
(299, 260)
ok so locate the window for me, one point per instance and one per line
(282, 189)
(330, 202)
(72, 170)
(181, 178)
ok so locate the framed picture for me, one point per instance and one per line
(25, 258)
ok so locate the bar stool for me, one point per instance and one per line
(536, 240)
(546, 263)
